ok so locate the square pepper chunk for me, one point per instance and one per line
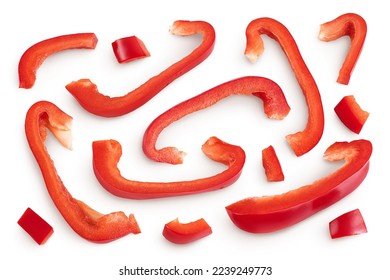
(35, 226)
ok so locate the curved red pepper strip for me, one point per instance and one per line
(351, 25)
(272, 213)
(34, 56)
(347, 224)
(275, 107)
(106, 155)
(180, 233)
(93, 101)
(84, 220)
(303, 141)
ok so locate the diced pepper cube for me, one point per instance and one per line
(35, 226)
(129, 48)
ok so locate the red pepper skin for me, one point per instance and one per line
(271, 213)
(275, 107)
(180, 233)
(106, 155)
(84, 220)
(303, 141)
(129, 48)
(351, 114)
(273, 169)
(351, 25)
(35, 226)
(350, 223)
(35, 55)
(89, 97)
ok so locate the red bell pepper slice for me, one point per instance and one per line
(84, 220)
(347, 224)
(272, 213)
(303, 141)
(35, 226)
(129, 48)
(272, 167)
(89, 97)
(275, 107)
(35, 55)
(180, 233)
(106, 155)
(354, 26)
(351, 114)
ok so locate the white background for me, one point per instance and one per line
(304, 251)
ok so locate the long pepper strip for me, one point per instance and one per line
(89, 97)
(303, 141)
(35, 55)
(351, 25)
(84, 220)
(106, 155)
(275, 107)
(271, 213)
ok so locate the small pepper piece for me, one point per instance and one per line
(84, 220)
(303, 141)
(35, 226)
(275, 107)
(354, 26)
(351, 114)
(89, 97)
(106, 155)
(272, 167)
(35, 55)
(129, 48)
(347, 224)
(183, 233)
(276, 212)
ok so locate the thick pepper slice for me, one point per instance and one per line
(303, 141)
(35, 55)
(347, 224)
(275, 107)
(84, 220)
(183, 233)
(106, 155)
(89, 97)
(272, 213)
(354, 26)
